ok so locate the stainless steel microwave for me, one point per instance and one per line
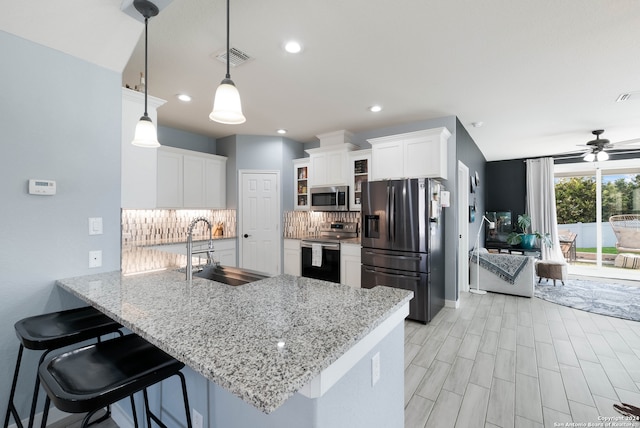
(335, 198)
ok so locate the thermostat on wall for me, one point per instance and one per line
(42, 187)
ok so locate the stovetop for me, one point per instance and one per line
(335, 232)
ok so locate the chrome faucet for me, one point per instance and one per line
(190, 251)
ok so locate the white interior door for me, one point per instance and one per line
(259, 227)
(463, 227)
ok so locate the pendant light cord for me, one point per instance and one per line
(146, 74)
(228, 59)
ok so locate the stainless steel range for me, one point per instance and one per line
(321, 254)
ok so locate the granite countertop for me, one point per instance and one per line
(261, 341)
(302, 237)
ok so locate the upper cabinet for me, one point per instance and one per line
(301, 184)
(166, 177)
(329, 163)
(188, 179)
(410, 155)
(359, 170)
(138, 165)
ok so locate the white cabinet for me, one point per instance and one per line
(188, 179)
(138, 164)
(301, 184)
(410, 155)
(350, 264)
(224, 251)
(329, 165)
(292, 257)
(359, 170)
(169, 179)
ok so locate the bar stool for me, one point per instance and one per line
(52, 331)
(88, 379)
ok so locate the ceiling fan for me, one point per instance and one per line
(596, 149)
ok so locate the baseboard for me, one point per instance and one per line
(455, 304)
(120, 417)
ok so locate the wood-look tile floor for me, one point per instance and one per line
(507, 361)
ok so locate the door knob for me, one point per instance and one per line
(246, 235)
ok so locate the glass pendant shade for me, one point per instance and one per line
(145, 135)
(602, 156)
(227, 107)
(589, 157)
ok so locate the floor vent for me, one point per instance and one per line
(236, 57)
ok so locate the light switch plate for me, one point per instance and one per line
(95, 226)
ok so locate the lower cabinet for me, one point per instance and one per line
(350, 261)
(292, 257)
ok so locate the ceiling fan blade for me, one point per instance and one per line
(632, 142)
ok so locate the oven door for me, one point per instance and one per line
(327, 268)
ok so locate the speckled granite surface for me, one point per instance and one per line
(261, 341)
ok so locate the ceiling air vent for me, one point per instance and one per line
(628, 96)
(236, 57)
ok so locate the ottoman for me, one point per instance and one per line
(550, 269)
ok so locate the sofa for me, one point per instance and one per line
(503, 273)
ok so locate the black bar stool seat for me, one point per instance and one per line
(58, 329)
(52, 331)
(92, 377)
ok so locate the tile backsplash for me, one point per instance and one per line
(298, 224)
(153, 227)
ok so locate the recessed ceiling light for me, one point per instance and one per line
(477, 124)
(375, 108)
(293, 47)
(184, 97)
(281, 131)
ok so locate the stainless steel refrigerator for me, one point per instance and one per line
(403, 241)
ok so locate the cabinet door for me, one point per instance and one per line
(387, 160)
(422, 157)
(170, 182)
(301, 184)
(350, 265)
(318, 169)
(215, 183)
(194, 182)
(336, 169)
(292, 258)
(359, 170)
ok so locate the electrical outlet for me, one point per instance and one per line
(375, 368)
(95, 258)
(196, 419)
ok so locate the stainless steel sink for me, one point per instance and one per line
(229, 275)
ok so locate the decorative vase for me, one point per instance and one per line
(528, 241)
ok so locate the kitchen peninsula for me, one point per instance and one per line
(283, 351)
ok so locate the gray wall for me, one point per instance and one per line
(60, 120)
(259, 152)
(186, 140)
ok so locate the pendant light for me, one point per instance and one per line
(227, 107)
(146, 134)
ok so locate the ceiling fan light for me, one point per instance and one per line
(602, 156)
(145, 135)
(227, 107)
(589, 157)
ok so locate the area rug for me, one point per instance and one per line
(614, 300)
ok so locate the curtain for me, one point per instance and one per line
(541, 205)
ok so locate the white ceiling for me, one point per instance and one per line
(540, 74)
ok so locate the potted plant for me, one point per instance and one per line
(525, 239)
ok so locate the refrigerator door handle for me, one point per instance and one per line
(393, 256)
(392, 219)
(388, 214)
(392, 275)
